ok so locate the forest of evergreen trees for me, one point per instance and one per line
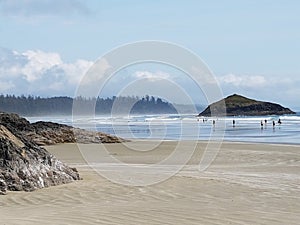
(37, 106)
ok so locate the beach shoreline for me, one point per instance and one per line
(247, 183)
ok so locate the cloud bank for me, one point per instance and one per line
(40, 73)
(35, 72)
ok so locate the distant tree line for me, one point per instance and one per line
(38, 106)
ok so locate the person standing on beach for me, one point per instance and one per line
(279, 121)
(233, 123)
(273, 124)
(261, 124)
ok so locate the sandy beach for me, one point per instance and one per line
(245, 184)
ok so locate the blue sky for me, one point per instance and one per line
(253, 47)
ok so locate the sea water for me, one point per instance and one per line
(190, 127)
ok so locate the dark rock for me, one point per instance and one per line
(236, 105)
(25, 166)
(14, 121)
(3, 185)
(48, 133)
(29, 168)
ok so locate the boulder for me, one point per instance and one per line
(25, 166)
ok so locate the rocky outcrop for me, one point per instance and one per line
(25, 166)
(48, 133)
(237, 105)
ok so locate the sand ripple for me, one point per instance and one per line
(247, 184)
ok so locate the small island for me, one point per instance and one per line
(237, 105)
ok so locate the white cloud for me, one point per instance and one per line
(244, 81)
(92, 82)
(38, 63)
(276, 88)
(75, 71)
(151, 76)
(40, 73)
(97, 73)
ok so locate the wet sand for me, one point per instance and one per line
(245, 184)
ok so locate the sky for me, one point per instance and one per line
(252, 46)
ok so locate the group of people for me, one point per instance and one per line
(262, 122)
(273, 123)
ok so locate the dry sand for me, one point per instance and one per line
(246, 184)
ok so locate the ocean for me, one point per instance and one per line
(189, 127)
